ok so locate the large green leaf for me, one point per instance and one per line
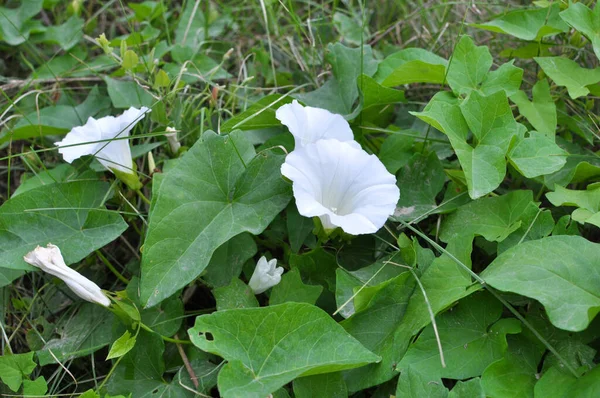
(329, 385)
(472, 336)
(69, 215)
(227, 261)
(586, 21)
(527, 24)
(411, 65)
(259, 115)
(274, 345)
(292, 289)
(566, 72)
(561, 272)
(66, 35)
(217, 190)
(541, 112)
(127, 93)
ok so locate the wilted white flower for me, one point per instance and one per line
(114, 155)
(308, 124)
(172, 139)
(266, 275)
(50, 260)
(342, 185)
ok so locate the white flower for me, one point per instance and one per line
(308, 124)
(266, 275)
(342, 185)
(172, 139)
(114, 155)
(49, 260)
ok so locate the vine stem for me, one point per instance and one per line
(165, 338)
(112, 267)
(143, 197)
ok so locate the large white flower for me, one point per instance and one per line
(50, 260)
(342, 185)
(308, 124)
(266, 275)
(114, 155)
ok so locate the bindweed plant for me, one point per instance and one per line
(299, 199)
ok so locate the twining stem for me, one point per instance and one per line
(144, 198)
(112, 267)
(187, 364)
(165, 338)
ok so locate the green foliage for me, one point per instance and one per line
(320, 346)
(482, 283)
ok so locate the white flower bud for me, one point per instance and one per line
(266, 275)
(50, 260)
(172, 138)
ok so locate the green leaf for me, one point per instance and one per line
(235, 295)
(348, 64)
(317, 267)
(121, 346)
(467, 389)
(411, 65)
(228, 188)
(260, 115)
(130, 60)
(292, 289)
(493, 218)
(535, 224)
(413, 383)
(56, 120)
(227, 261)
(274, 345)
(14, 368)
(566, 72)
(66, 35)
(87, 331)
(61, 173)
(470, 64)
(587, 202)
(541, 112)
(514, 375)
(506, 78)
(528, 24)
(372, 94)
(421, 180)
(537, 155)
(126, 93)
(566, 264)
(555, 383)
(37, 387)
(406, 313)
(16, 24)
(329, 385)
(472, 336)
(298, 227)
(396, 151)
(140, 372)
(69, 215)
(586, 21)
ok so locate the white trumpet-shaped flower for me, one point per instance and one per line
(115, 155)
(308, 124)
(342, 185)
(266, 275)
(50, 260)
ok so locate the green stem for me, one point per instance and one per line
(165, 338)
(141, 195)
(112, 268)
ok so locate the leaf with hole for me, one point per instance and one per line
(274, 345)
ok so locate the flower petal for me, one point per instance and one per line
(308, 124)
(343, 185)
